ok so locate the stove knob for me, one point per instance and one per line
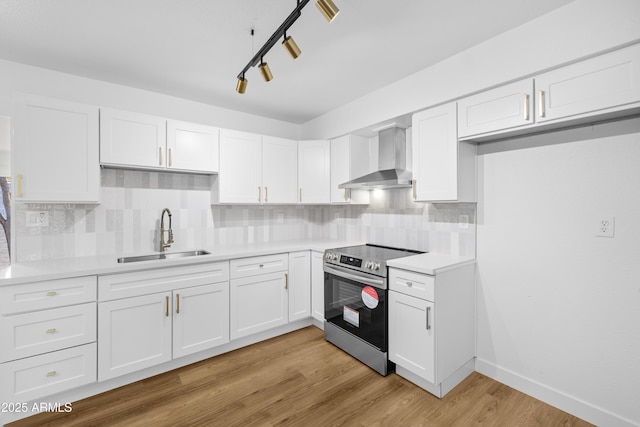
(375, 266)
(367, 264)
(327, 256)
(334, 257)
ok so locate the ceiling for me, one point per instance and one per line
(194, 49)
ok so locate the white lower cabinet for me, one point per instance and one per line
(48, 332)
(134, 333)
(432, 326)
(299, 285)
(201, 318)
(411, 338)
(137, 332)
(258, 294)
(317, 286)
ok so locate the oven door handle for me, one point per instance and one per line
(376, 283)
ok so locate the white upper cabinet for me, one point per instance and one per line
(604, 82)
(314, 172)
(444, 169)
(132, 139)
(55, 151)
(603, 87)
(192, 147)
(279, 170)
(256, 169)
(141, 141)
(506, 107)
(240, 177)
(349, 160)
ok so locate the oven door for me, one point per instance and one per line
(357, 304)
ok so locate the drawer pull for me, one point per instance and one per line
(51, 373)
(51, 331)
(52, 293)
(261, 265)
(409, 284)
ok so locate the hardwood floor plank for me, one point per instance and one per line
(299, 379)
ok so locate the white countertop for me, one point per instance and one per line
(429, 263)
(107, 264)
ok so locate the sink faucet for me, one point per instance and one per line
(164, 245)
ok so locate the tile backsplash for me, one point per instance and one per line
(128, 220)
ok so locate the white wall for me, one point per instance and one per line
(558, 308)
(16, 77)
(582, 28)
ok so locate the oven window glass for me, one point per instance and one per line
(357, 308)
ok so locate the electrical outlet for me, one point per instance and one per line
(606, 227)
(37, 219)
(463, 222)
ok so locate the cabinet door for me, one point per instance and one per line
(133, 334)
(314, 172)
(411, 334)
(444, 169)
(192, 147)
(506, 107)
(132, 139)
(55, 151)
(200, 318)
(299, 285)
(258, 303)
(317, 286)
(604, 82)
(240, 176)
(435, 150)
(279, 170)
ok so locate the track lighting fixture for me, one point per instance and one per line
(265, 71)
(241, 87)
(290, 46)
(329, 11)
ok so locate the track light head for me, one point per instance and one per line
(291, 46)
(328, 9)
(241, 87)
(265, 71)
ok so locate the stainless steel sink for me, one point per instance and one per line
(170, 255)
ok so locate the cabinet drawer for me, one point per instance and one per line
(39, 332)
(47, 294)
(245, 267)
(125, 285)
(40, 376)
(410, 283)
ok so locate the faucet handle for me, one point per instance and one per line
(170, 236)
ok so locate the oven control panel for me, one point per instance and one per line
(359, 263)
(354, 262)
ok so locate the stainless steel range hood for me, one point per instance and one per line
(392, 164)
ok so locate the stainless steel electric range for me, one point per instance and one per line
(355, 301)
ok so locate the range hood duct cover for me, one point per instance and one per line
(392, 163)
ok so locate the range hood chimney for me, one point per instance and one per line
(392, 163)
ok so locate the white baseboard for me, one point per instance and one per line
(563, 401)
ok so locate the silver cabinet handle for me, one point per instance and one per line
(428, 325)
(541, 110)
(526, 106)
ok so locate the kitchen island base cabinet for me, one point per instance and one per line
(432, 326)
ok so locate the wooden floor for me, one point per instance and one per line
(299, 379)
